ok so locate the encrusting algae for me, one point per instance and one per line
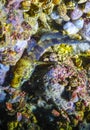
(44, 64)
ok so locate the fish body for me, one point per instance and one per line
(26, 65)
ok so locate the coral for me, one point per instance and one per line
(44, 64)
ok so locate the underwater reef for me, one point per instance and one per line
(45, 64)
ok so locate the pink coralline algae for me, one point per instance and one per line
(44, 64)
(63, 77)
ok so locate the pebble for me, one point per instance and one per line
(76, 13)
(79, 23)
(85, 32)
(70, 28)
(87, 7)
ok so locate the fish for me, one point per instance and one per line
(26, 65)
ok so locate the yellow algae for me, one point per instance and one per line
(62, 9)
(56, 2)
(12, 125)
(25, 5)
(63, 50)
(22, 72)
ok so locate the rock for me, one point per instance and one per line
(76, 13)
(3, 71)
(85, 32)
(87, 7)
(79, 23)
(70, 28)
